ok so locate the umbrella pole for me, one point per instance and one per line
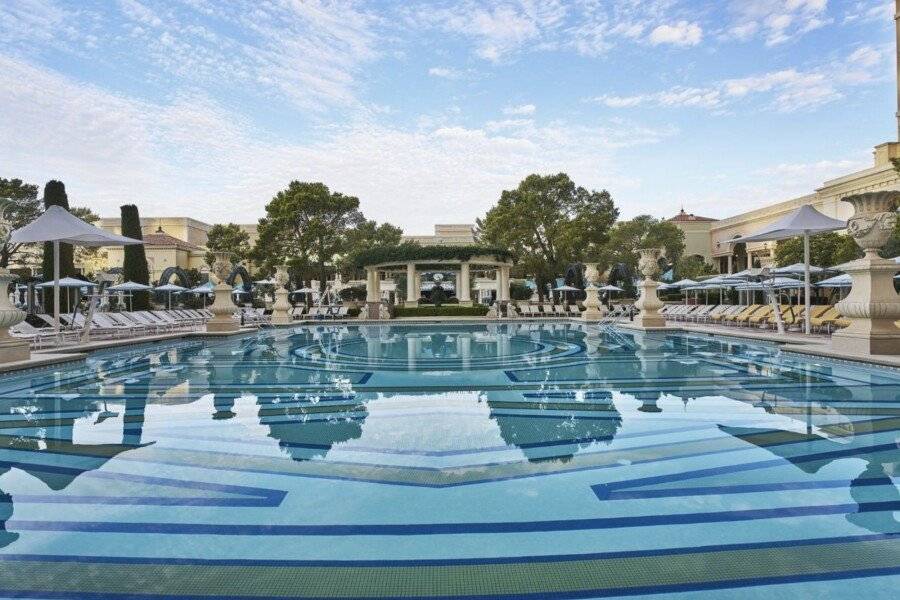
(56, 285)
(806, 321)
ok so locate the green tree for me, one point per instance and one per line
(307, 224)
(548, 222)
(825, 250)
(55, 195)
(643, 231)
(19, 206)
(227, 238)
(692, 267)
(365, 236)
(892, 247)
(134, 264)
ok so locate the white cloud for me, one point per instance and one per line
(193, 154)
(777, 21)
(521, 109)
(681, 33)
(863, 11)
(445, 72)
(788, 90)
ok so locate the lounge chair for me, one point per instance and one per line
(743, 315)
(574, 311)
(758, 317)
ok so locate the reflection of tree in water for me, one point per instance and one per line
(542, 437)
(311, 436)
(54, 438)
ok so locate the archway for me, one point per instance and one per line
(181, 277)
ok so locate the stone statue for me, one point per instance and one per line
(649, 303)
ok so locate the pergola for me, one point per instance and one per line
(414, 259)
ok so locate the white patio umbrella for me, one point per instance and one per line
(129, 287)
(677, 285)
(58, 225)
(204, 289)
(565, 289)
(67, 283)
(838, 281)
(804, 221)
(170, 288)
(798, 269)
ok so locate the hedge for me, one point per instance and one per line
(411, 251)
(446, 310)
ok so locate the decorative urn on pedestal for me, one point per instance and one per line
(872, 305)
(222, 307)
(281, 309)
(593, 308)
(11, 349)
(649, 303)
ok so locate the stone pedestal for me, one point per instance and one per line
(11, 349)
(281, 309)
(222, 307)
(594, 309)
(871, 307)
(649, 303)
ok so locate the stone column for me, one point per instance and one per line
(872, 305)
(11, 349)
(222, 307)
(412, 293)
(504, 283)
(281, 310)
(730, 266)
(649, 303)
(463, 286)
(373, 294)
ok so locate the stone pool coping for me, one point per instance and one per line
(790, 342)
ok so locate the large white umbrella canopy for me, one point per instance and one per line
(66, 282)
(170, 288)
(798, 269)
(677, 285)
(129, 286)
(805, 221)
(610, 288)
(842, 280)
(566, 288)
(204, 288)
(58, 225)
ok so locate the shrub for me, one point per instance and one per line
(519, 291)
(447, 310)
(134, 263)
(412, 251)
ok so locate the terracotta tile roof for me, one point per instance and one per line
(164, 239)
(683, 216)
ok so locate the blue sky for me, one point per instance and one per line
(427, 110)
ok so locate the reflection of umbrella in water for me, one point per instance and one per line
(873, 485)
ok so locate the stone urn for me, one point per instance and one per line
(649, 303)
(872, 305)
(221, 267)
(648, 264)
(591, 274)
(11, 349)
(281, 309)
(873, 220)
(593, 308)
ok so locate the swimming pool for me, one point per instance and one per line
(544, 460)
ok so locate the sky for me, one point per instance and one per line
(426, 111)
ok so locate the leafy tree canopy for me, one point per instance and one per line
(366, 236)
(306, 224)
(825, 250)
(19, 206)
(227, 238)
(692, 267)
(548, 222)
(643, 231)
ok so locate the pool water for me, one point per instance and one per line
(526, 460)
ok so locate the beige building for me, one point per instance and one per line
(696, 234)
(168, 242)
(731, 256)
(446, 235)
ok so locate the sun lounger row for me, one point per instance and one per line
(822, 317)
(321, 312)
(548, 310)
(106, 325)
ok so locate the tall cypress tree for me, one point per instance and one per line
(55, 195)
(134, 265)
